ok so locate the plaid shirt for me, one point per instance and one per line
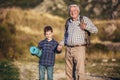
(49, 48)
(74, 35)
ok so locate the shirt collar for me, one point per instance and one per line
(47, 40)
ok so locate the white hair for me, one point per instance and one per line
(73, 5)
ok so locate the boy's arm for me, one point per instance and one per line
(39, 45)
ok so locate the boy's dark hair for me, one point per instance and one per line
(47, 28)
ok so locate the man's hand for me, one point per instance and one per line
(83, 25)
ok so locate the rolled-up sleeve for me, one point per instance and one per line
(90, 26)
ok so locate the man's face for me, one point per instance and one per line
(74, 12)
(48, 34)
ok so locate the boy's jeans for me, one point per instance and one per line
(42, 72)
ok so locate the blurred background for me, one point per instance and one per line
(21, 26)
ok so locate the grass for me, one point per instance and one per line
(108, 30)
(29, 27)
(106, 69)
(8, 71)
(29, 30)
(98, 64)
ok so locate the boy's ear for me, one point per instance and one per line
(52, 33)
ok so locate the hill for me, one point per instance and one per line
(97, 9)
(24, 28)
(21, 29)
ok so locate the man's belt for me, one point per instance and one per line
(76, 45)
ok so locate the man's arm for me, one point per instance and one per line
(88, 25)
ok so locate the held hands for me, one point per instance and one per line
(59, 48)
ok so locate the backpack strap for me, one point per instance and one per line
(66, 24)
(81, 18)
(87, 33)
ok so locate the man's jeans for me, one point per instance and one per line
(42, 72)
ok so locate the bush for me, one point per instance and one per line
(94, 48)
(21, 3)
(7, 40)
(109, 32)
(116, 35)
(8, 71)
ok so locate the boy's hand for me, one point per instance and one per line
(59, 48)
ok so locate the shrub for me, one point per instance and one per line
(94, 48)
(116, 35)
(8, 71)
(7, 40)
(109, 32)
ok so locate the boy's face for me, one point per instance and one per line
(49, 35)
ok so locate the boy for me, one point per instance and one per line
(49, 47)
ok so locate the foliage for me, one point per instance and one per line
(22, 29)
(92, 8)
(8, 71)
(116, 35)
(7, 40)
(97, 8)
(93, 48)
(20, 3)
(109, 32)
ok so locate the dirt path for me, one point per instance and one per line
(29, 71)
